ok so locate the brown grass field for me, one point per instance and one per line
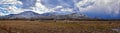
(60, 26)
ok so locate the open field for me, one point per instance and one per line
(60, 26)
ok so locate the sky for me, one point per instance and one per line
(106, 9)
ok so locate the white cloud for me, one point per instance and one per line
(40, 8)
(12, 6)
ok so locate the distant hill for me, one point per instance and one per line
(50, 15)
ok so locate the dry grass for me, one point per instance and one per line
(19, 26)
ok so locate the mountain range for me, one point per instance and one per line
(50, 15)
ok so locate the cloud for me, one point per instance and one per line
(40, 8)
(101, 6)
(10, 6)
(28, 3)
(85, 3)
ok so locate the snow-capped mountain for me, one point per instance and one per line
(51, 15)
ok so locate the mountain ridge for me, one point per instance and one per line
(50, 15)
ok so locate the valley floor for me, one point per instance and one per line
(60, 26)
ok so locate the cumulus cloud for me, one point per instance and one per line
(40, 8)
(10, 7)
